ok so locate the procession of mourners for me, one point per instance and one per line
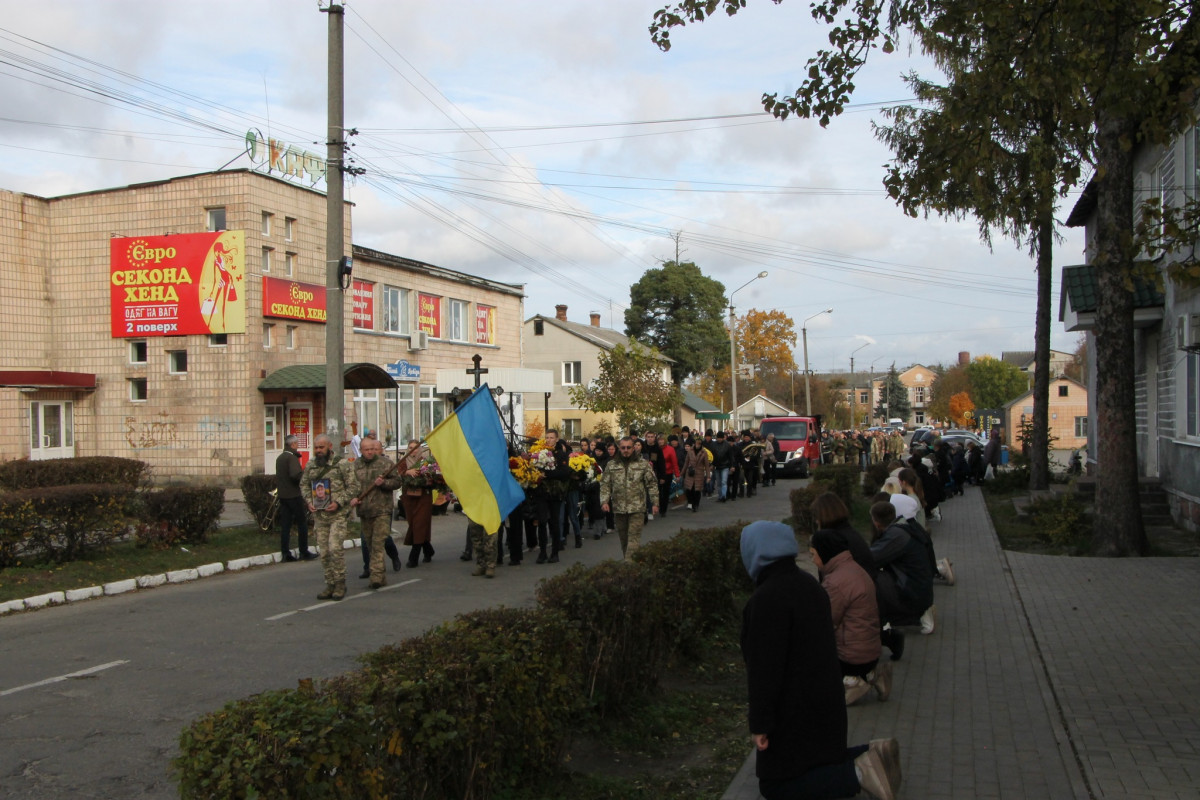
(834, 618)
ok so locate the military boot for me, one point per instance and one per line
(327, 594)
(339, 591)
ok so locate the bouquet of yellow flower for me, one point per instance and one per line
(524, 471)
(585, 465)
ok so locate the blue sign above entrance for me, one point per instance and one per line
(404, 371)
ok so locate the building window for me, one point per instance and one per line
(572, 429)
(289, 228)
(864, 398)
(216, 219)
(268, 254)
(1192, 395)
(138, 353)
(395, 309)
(290, 264)
(920, 418)
(920, 394)
(137, 389)
(458, 320)
(218, 339)
(292, 335)
(1062, 390)
(1081, 427)
(539, 327)
(572, 373)
(177, 362)
(433, 410)
(266, 226)
(268, 331)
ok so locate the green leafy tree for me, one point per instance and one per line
(894, 395)
(995, 382)
(679, 311)
(631, 386)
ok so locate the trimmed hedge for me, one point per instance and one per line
(876, 475)
(256, 490)
(472, 708)
(25, 474)
(179, 515)
(62, 523)
(474, 705)
(845, 480)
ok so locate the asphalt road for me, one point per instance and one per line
(93, 695)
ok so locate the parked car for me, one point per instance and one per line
(962, 438)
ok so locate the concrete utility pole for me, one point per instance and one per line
(853, 388)
(804, 334)
(733, 351)
(335, 335)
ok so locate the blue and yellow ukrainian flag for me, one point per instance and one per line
(470, 449)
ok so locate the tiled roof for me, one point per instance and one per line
(696, 402)
(1079, 286)
(1018, 358)
(601, 337)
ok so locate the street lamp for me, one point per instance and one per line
(804, 335)
(853, 388)
(733, 349)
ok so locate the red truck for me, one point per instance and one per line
(797, 443)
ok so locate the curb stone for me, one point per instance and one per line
(75, 595)
(150, 581)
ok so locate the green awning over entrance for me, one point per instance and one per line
(311, 378)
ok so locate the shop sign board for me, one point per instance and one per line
(404, 371)
(485, 324)
(429, 314)
(293, 300)
(362, 304)
(184, 283)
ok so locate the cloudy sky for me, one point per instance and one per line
(548, 144)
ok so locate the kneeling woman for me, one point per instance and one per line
(855, 614)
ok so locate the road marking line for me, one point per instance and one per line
(346, 599)
(81, 673)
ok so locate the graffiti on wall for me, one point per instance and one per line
(154, 434)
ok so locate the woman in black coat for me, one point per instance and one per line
(797, 704)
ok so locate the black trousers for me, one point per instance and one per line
(293, 509)
(389, 547)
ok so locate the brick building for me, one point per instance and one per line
(120, 340)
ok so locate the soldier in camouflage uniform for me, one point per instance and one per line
(328, 485)
(839, 448)
(623, 488)
(484, 545)
(376, 474)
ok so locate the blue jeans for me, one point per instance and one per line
(721, 476)
(570, 513)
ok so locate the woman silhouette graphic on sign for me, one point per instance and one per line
(222, 288)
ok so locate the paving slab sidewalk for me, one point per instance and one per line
(972, 704)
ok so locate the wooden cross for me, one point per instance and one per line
(478, 370)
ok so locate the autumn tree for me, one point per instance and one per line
(833, 397)
(960, 409)
(893, 398)
(764, 356)
(630, 385)
(951, 382)
(679, 311)
(995, 382)
(1077, 369)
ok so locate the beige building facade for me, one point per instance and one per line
(1068, 414)
(571, 351)
(101, 354)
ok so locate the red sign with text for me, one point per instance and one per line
(180, 284)
(362, 304)
(485, 325)
(429, 314)
(293, 300)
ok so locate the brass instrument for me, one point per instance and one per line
(267, 523)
